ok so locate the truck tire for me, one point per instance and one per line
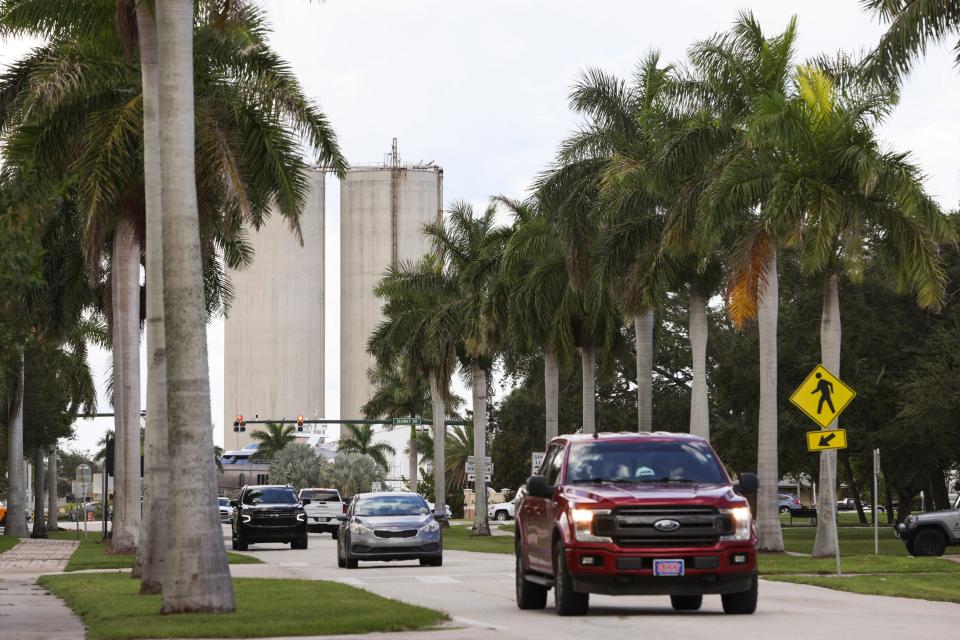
(744, 602)
(929, 542)
(239, 544)
(567, 601)
(530, 595)
(686, 603)
(299, 543)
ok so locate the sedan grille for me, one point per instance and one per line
(403, 533)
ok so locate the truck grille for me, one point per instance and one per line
(633, 527)
(274, 518)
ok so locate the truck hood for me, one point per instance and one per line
(936, 515)
(653, 493)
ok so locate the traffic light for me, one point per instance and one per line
(299, 423)
(239, 424)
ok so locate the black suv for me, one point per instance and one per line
(269, 513)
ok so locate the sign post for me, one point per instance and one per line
(876, 520)
(84, 477)
(823, 396)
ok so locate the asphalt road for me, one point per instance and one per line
(476, 590)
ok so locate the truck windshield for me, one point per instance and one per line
(638, 462)
(320, 496)
(270, 496)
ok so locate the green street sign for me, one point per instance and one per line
(411, 421)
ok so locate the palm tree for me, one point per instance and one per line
(913, 25)
(852, 201)
(728, 73)
(272, 441)
(359, 439)
(197, 575)
(471, 247)
(422, 328)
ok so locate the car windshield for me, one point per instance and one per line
(319, 495)
(270, 495)
(638, 462)
(391, 506)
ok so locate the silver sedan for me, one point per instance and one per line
(389, 526)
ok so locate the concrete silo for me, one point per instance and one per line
(273, 335)
(382, 213)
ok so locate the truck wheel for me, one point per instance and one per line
(299, 543)
(686, 603)
(239, 544)
(333, 534)
(929, 542)
(502, 516)
(741, 603)
(567, 601)
(530, 595)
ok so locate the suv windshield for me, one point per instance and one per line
(636, 462)
(224, 502)
(391, 506)
(320, 496)
(270, 495)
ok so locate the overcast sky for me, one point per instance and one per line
(481, 89)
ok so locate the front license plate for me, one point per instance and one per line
(668, 567)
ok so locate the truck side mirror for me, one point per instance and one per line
(747, 483)
(537, 487)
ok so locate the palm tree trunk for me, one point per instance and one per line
(768, 512)
(699, 404)
(643, 332)
(480, 525)
(196, 574)
(825, 543)
(39, 521)
(588, 360)
(126, 386)
(551, 394)
(52, 480)
(439, 398)
(153, 541)
(413, 458)
(16, 518)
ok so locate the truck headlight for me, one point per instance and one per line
(244, 517)
(742, 522)
(359, 529)
(301, 517)
(583, 524)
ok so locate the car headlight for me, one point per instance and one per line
(583, 524)
(244, 517)
(742, 523)
(431, 527)
(359, 529)
(301, 517)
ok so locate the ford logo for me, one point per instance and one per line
(666, 525)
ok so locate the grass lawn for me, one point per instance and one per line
(944, 587)
(853, 540)
(6, 542)
(112, 609)
(93, 553)
(847, 519)
(779, 564)
(457, 538)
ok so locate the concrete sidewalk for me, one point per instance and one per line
(27, 611)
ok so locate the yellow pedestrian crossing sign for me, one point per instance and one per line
(826, 439)
(822, 396)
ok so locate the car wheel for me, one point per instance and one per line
(568, 601)
(349, 562)
(340, 561)
(502, 516)
(784, 510)
(686, 603)
(530, 595)
(929, 542)
(741, 603)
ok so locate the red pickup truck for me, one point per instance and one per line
(635, 514)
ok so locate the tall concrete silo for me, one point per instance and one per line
(273, 335)
(383, 210)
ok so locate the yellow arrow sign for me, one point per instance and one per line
(822, 396)
(826, 439)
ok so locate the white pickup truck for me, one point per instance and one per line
(324, 508)
(502, 511)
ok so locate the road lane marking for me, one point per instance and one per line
(478, 623)
(438, 579)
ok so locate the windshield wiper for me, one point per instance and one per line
(668, 480)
